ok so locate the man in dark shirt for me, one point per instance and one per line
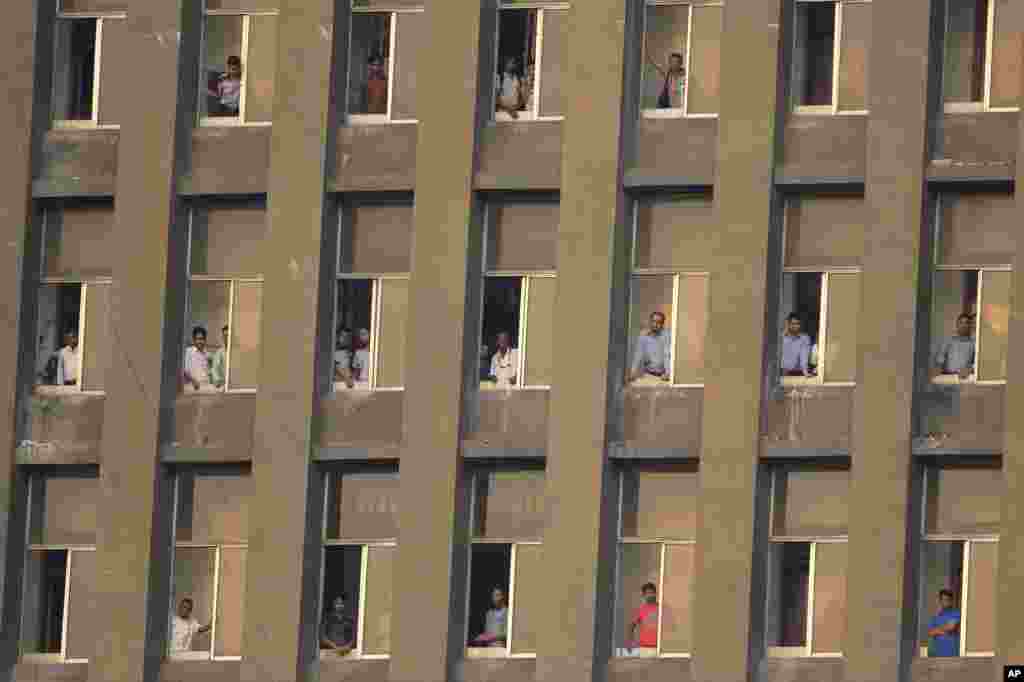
(944, 628)
(338, 630)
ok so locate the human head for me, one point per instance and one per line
(503, 341)
(793, 324)
(234, 66)
(363, 338)
(657, 321)
(199, 337)
(963, 325)
(946, 599)
(675, 62)
(511, 65)
(498, 597)
(224, 332)
(344, 338)
(650, 592)
(71, 338)
(185, 607)
(338, 603)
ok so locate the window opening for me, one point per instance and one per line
(76, 81)
(237, 72)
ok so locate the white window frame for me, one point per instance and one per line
(519, 344)
(973, 378)
(831, 109)
(230, 121)
(209, 655)
(84, 284)
(386, 118)
(532, 112)
(506, 651)
(61, 657)
(376, 286)
(233, 284)
(823, 317)
(93, 123)
(986, 103)
(364, 547)
(684, 111)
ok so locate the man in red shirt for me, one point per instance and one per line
(643, 630)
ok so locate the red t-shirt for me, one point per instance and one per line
(645, 617)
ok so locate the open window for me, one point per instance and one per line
(505, 568)
(207, 608)
(530, 53)
(959, 561)
(221, 344)
(832, 39)
(372, 296)
(971, 288)
(382, 65)
(981, 56)
(239, 60)
(74, 338)
(359, 554)
(87, 82)
(682, 48)
(806, 609)
(60, 571)
(657, 534)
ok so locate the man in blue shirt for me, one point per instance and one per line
(652, 355)
(796, 349)
(944, 628)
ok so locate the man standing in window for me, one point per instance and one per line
(495, 622)
(652, 356)
(510, 89)
(956, 355)
(197, 362)
(643, 626)
(796, 349)
(219, 360)
(671, 95)
(944, 628)
(361, 358)
(338, 631)
(68, 360)
(229, 89)
(184, 627)
(505, 361)
(376, 86)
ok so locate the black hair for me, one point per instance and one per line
(187, 599)
(649, 586)
(198, 329)
(946, 593)
(963, 316)
(677, 55)
(659, 314)
(793, 316)
(234, 60)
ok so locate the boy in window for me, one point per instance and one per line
(361, 359)
(643, 626)
(511, 89)
(495, 622)
(944, 628)
(197, 361)
(505, 361)
(68, 360)
(184, 627)
(338, 631)
(674, 84)
(796, 349)
(228, 90)
(219, 360)
(376, 86)
(956, 355)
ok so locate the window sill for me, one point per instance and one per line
(361, 120)
(351, 657)
(672, 113)
(493, 652)
(923, 653)
(200, 656)
(525, 117)
(798, 653)
(491, 386)
(626, 654)
(815, 381)
(84, 125)
(231, 122)
(644, 385)
(828, 110)
(50, 390)
(50, 659)
(364, 387)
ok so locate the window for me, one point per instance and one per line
(74, 338)
(60, 570)
(531, 45)
(372, 296)
(225, 301)
(236, 81)
(211, 534)
(681, 59)
(657, 532)
(382, 66)
(505, 564)
(959, 562)
(971, 289)
(668, 324)
(87, 84)
(359, 555)
(519, 295)
(982, 61)
(832, 41)
(807, 563)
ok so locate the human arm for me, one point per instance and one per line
(650, 60)
(805, 355)
(639, 354)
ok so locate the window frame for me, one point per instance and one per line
(376, 283)
(229, 121)
(364, 547)
(684, 111)
(807, 650)
(533, 111)
(354, 119)
(93, 123)
(233, 284)
(948, 379)
(524, 277)
(833, 108)
(985, 105)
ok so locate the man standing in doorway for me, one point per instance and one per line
(68, 360)
(643, 626)
(796, 349)
(956, 355)
(197, 362)
(652, 356)
(505, 361)
(944, 628)
(184, 627)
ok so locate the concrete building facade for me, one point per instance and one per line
(532, 267)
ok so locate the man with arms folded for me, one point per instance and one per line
(653, 353)
(944, 628)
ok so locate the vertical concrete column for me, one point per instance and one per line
(875, 644)
(282, 571)
(1009, 637)
(734, 350)
(579, 541)
(426, 637)
(130, 544)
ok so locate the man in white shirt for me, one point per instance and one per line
(184, 627)
(68, 361)
(510, 89)
(504, 361)
(197, 362)
(361, 359)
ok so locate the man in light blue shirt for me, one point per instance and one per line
(652, 356)
(796, 349)
(956, 355)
